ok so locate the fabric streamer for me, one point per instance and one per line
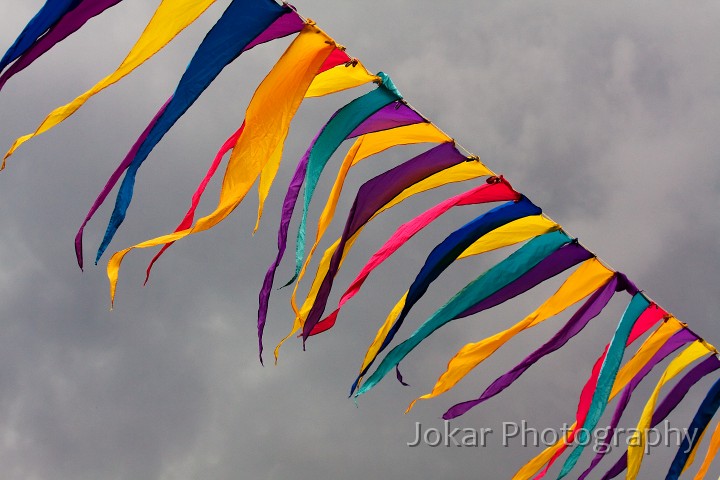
(697, 427)
(637, 445)
(589, 310)
(336, 80)
(557, 262)
(341, 76)
(649, 348)
(608, 372)
(512, 233)
(679, 339)
(47, 16)
(286, 24)
(671, 400)
(489, 282)
(242, 21)
(459, 173)
(340, 126)
(710, 455)
(170, 18)
(189, 217)
(489, 192)
(267, 121)
(390, 117)
(63, 28)
(590, 276)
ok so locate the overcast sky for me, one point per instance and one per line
(604, 114)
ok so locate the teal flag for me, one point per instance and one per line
(606, 379)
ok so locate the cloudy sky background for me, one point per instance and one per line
(604, 114)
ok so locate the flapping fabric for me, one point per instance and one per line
(342, 124)
(697, 427)
(365, 146)
(710, 455)
(512, 233)
(391, 116)
(488, 283)
(682, 337)
(671, 400)
(47, 16)
(68, 24)
(189, 217)
(590, 309)
(334, 76)
(267, 121)
(112, 181)
(637, 446)
(649, 348)
(242, 21)
(457, 173)
(337, 79)
(490, 192)
(608, 372)
(285, 24)
(590, 276)
(170, 18)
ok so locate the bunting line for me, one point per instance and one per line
(314, 65)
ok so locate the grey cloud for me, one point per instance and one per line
(604, 115)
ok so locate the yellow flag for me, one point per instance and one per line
(710, 455)
(330, 81)
(636, 447)
(590, 276)
(170, 18)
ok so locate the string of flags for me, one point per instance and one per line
(314, 65)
